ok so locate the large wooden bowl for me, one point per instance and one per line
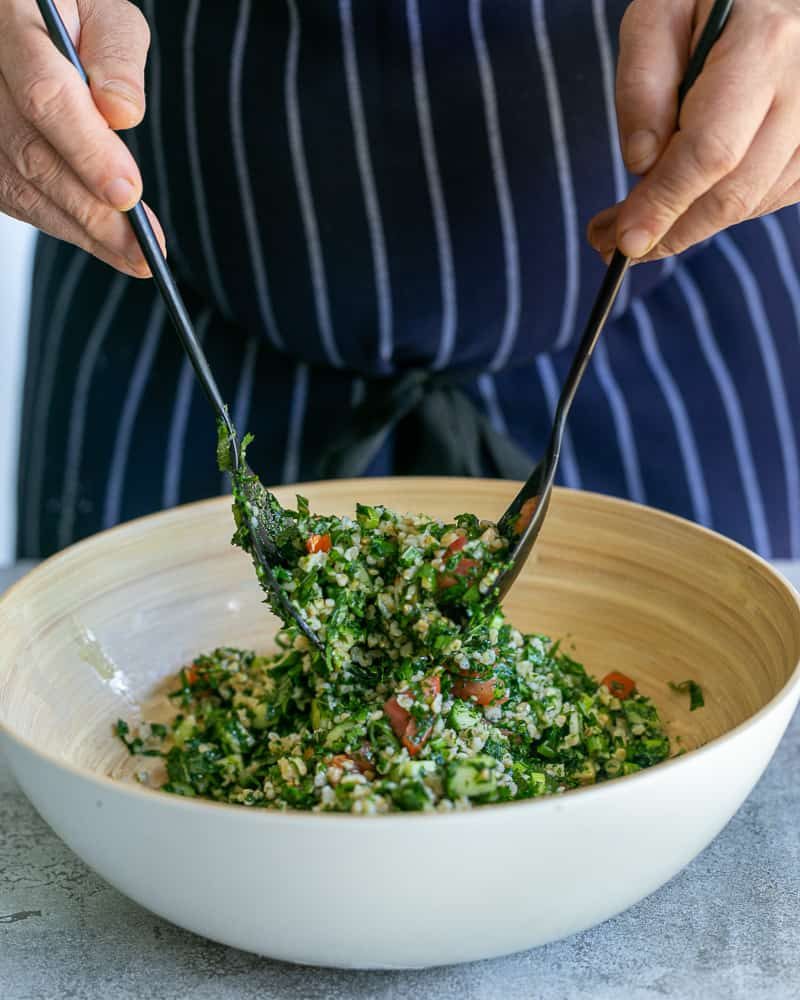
(91, 634)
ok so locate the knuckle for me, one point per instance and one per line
(780, 30)
(731, 203)
(664, 199)
(713, 154)
(636, 82)
(17, 195)
(92, 216)
(43, 98)
(36, 160)
(140, 24)
(116, 51)
(670, 246)
(630, 20)
(95, 163)
(131, 34)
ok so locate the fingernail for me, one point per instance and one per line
(118, 88)
(121, 194)
(600, 231)
(602, 242)
(641, 150)
(636, 243)
(139, 265)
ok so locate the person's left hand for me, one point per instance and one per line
(736, 154)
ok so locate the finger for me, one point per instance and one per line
(114, 41)
(51, 96)
(35, 160)
(721, 117)
(788, 198)
(158, 229)
(738, 196)
(654, 44)
(21, 200)
(602, 230)
(782, 187)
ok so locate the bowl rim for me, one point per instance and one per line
(602, 790)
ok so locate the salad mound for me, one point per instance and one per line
(425, 698)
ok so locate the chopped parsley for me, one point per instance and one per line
(425, 698)
(693, 689)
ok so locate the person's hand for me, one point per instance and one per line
(737, 153)
(62, 168)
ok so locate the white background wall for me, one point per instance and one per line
(16, 245)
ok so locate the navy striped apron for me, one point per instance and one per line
(361, 195)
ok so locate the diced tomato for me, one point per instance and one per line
(526, 512)
(343, 760)
(398, 716)
(463, 568)
(192, 674)
(466, 566)
(481, 690)
(404, 724)
(412, 740)
(363, 759)
(431, 686)
(457, 545)
(619, 685)
(318, 543)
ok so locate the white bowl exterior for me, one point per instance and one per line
(398, 891)
(479, 885)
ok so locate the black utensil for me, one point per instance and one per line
(523, 519)
(263, 547)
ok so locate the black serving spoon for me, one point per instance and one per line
(257, 509)
(525, 516)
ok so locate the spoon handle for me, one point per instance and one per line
(146, 238)
(539, 486)
(619, 265)
(618, 268)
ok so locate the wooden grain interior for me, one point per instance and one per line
(93, 633)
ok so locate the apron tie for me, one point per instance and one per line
(447, 434)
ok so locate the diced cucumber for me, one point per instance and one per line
(368, 517)
(316, 714)
(463, 716)
(411, 796)
(416, 769)
(587, 774)
(341, 736)
(427, 577)
(472, 778)
(184, 730)
(410, 556)
(597, 744)
(538, 780)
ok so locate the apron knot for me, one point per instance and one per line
(445, 432)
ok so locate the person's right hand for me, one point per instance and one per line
(62, 168)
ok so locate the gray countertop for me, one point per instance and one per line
(728, 926)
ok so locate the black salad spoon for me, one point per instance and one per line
(523, 520)
(256, 507)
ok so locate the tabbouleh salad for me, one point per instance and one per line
(426, 697)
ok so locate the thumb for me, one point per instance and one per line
(114, 41)
(655, 39)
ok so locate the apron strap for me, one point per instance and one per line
(451, 435)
